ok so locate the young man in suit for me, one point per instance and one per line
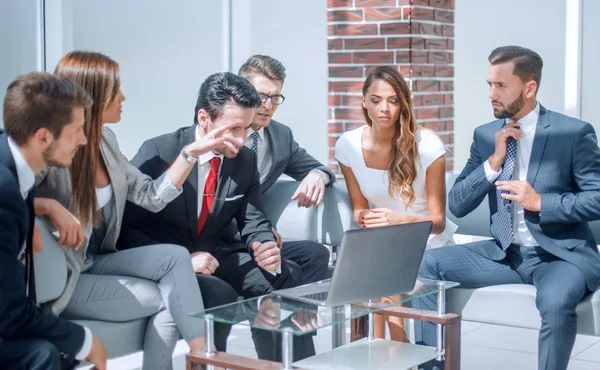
(278, 153)
(223, 186)
(541, 173)
(43, 122)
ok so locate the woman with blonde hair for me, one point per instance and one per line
(394, 169)
(85, 203)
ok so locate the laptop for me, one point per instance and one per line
(372, 263)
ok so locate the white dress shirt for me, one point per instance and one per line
(524, 147)
(26, 179)
(203, 171)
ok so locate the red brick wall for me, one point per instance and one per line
(416, 36)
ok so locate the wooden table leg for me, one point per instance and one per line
(452, 345)
(358, 328)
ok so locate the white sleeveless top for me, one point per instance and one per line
(374, 183)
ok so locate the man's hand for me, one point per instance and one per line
(305, 321)
(510, 130)
(217, 138)
(98, 355)
(268, 315)
(311, 190)
(204, 263)
(68, 226)
(377, 217)
(521, 192)
(278, 238)
(267, 255)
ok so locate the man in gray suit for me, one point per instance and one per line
(541, 173)
(278, 153)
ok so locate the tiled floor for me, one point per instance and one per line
(487, 347)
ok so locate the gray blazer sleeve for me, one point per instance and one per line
(471, 186)
(153, 195)
(142, 190)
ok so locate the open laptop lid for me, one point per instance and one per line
(378, 262)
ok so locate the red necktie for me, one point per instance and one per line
(210, 190)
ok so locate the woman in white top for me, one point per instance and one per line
(394, 169)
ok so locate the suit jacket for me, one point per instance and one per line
(128, 184)
(564, 169)
(289, 157)
(21, 318)
(238, 197)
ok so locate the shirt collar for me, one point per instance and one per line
(529, 121)
(206, 157)
(261, 133)
(24, 172)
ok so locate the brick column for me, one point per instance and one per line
(416, 36)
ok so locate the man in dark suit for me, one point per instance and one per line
(223, 186)
(541, 173)
(278, 153)
(43, 119)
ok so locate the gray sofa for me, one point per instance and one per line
(511, 305)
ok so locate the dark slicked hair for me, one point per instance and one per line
(528, 63)
(39, 100)
(222, 88)
(263, 65)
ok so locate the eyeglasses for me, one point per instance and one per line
(275, 99)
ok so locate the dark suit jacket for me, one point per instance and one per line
(20, 317)
(289, 157)
(564, 169)
(238, 197)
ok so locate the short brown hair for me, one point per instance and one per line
(528, 63)
(39, 100)
(264, 65)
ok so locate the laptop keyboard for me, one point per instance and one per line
(319, 297)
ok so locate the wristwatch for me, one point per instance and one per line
(188, 157)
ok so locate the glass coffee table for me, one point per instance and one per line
(295, 318)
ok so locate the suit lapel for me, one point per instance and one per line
(273, 140)
(223, 187)
(119, 184)
(539, 144)
(190, 189)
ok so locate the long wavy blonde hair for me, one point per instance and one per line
(99, 76)
(401, 168)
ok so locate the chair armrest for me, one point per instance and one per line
(50, 266)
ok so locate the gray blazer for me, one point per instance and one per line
(564, 169)
(289, 157)
(128, 183)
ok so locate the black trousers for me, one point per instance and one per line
(29, 354)
(216, 292)
(237, 267)
(312, 257)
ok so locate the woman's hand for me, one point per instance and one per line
(376, 217)
(68, 226)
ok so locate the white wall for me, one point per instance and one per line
(20, 42)
(297, 37)
(480, 26)
(589, 71)
(165, 51)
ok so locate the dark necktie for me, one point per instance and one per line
(504, 219)
(254, 145)
(210, 190)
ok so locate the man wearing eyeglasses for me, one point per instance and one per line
(278, 153)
